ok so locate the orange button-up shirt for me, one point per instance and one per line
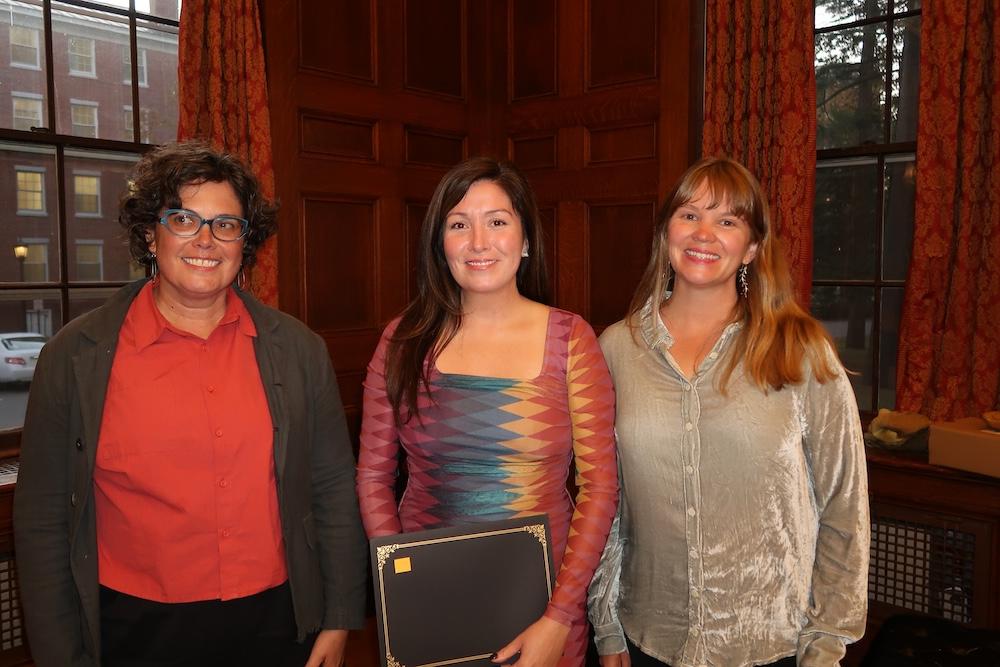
(186, 499)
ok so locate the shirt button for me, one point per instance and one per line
(223, 483)
(695, 632)
(689, 426)
(210, 389)
(687, 387)
(693, 552)
(225, 532)
(691, 511)
(218, 432)
(695, 592)
(689, 470)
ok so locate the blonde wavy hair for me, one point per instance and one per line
(777, 335)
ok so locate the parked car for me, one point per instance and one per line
(18, 355)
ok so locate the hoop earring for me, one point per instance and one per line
(241, 279)
(153, 268)
(741, 281)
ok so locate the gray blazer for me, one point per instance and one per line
(54, 521)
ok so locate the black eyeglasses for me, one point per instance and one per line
(185, 223)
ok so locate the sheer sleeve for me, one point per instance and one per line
(592, 415)
(378, 460)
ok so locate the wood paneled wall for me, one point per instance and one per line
(373, 100)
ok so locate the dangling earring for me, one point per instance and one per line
(524, 250)
(241, 279)
(741, 281)
(153, 268)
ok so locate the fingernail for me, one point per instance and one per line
(493, 656)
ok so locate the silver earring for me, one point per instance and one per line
(524, 251)
(241, 279)
(153, 269)
(741, 280)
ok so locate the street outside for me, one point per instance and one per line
(13, 399)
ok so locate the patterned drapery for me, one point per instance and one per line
(949, 348)
(760, 109)
(222, 93)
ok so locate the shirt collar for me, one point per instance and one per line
(149, 324)
(655, 333)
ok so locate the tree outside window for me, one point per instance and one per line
(81, 56)
(867, 73)
(87, 194)
(30, 191)
(24, 50)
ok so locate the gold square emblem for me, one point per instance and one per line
(401, 565)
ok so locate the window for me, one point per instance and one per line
(24, 51)
(127, 66)
(84, 118)
(867, 73)
(35, 267)
(89, 260)
(63, 179)
(81, 56)
(87, 194)
(27, 111)
(30, 190)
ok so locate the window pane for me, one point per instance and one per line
(106, 34)
(24, 47)
(158, 100)
(850, 87)
(905, 78)
(892, 306)
(107, 173)
(22, 63)
(835, 12)
(81, 56)
(29, 171)
(845, 217)
(165, 9)
(847, 313)
(897, 237)
(87, 194)
(23, 311)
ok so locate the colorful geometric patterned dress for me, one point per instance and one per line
(486, 449)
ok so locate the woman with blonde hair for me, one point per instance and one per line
(742, 534)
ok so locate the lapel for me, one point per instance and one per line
(269, 349)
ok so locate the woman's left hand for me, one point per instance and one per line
(328, 649)
(540, 645)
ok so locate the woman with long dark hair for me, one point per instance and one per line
(493, 395)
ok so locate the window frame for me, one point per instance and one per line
(70, 55)
(17, 96)
(883, 152)
(81, 173)
(74, 106)
(41, 172)
(37, 47)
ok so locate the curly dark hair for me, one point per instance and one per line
(156, 182)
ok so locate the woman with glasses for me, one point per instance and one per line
(186, 494)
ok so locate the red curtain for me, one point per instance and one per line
(223, 99)
(760, 108)
(949, 347)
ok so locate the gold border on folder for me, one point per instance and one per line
(383, 553)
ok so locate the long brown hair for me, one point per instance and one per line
(777, 334)
(432, 319)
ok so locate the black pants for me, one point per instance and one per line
(257, 630)
(640, 659)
